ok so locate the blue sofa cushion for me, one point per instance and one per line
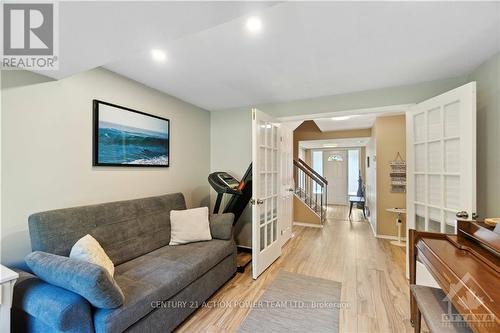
(90, 281)
(158, 276)
(48, 308)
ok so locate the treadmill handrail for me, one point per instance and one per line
(313, 171)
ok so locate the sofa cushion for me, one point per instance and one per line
(88, 249)
(221, 225)
(125, 229)
(157, 276)
(89, 280)
(38, 304)
(189, 225)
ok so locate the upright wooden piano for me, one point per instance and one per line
(467, 268)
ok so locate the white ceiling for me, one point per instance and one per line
(338, 143)
(305, 49)
(354, 122)
(96, 33)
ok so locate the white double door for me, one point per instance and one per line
(441, 162)
(272, 180)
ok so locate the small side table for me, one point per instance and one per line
(7, 280)
(358, 201)
(399, 224)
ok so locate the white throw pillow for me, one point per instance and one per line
(88, 249)
(189, 225)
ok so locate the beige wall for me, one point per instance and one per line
(308, 130)
(303, 214)
(47, 149)
(308, 157)
(390, 138)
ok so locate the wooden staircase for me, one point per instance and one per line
(311, 188)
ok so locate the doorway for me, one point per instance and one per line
(335, 171)
(439, 180)
(342, 168)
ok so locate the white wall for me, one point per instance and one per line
(231, 142)
(371, 181)
(47, 149)
(487, 77)
(361, 99)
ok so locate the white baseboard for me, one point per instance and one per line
(390, 237)
(373, 230)
(310, 225)
(384, 236)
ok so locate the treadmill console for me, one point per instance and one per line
(229, 180)
(222, 182)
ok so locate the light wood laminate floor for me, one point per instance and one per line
(371, 271)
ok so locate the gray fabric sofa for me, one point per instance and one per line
(162, 284)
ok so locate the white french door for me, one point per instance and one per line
(266, 244)
(441, 160)
(287, 183)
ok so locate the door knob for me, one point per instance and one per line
(290, 190)
(256, 202)
(462, 215)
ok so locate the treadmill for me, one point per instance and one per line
(240, 191)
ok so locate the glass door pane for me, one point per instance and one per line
(437, 180)
(353, 171)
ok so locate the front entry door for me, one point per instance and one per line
(441, 153)
(266, 243)
(335, 172)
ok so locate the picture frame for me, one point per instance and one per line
(129, 138)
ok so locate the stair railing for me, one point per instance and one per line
(311, 188)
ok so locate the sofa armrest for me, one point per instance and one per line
(58, 308)
(221, 226)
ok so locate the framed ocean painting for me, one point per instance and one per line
(126, 137)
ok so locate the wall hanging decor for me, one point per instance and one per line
(126, 137)
(398, 174)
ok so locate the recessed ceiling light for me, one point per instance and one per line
(158, 55)
(343, 117)
(254, 24)
(330, 145)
